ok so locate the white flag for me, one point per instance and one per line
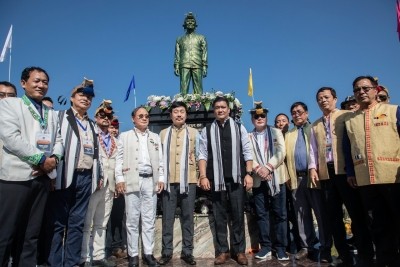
(7, 45)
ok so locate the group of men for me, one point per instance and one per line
(60, 172)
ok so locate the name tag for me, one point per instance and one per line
(43, 142)
(88, 147)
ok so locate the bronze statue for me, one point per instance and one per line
(191, 57)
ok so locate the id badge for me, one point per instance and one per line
(43, 142)
(88, 147)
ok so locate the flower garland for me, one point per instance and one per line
(194, 101)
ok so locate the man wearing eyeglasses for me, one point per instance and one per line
(78, 176)
(306, 196)
(372, 150)
(327, 166)
(269, 189)
(382, 95)
(143, 173)
(101, 201)
(31, 151)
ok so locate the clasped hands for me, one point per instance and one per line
(264, 173)
(46, 167)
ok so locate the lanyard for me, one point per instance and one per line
(84, 128)
(35, 113)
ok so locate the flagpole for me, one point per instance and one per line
(134, 95)
(9, 64)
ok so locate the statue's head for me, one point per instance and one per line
(189, 22)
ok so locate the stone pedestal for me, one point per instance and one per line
(204, 234)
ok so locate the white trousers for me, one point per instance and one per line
(97, 215)
(141, 207)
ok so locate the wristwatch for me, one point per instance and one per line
(250, 173)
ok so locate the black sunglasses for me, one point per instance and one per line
(257, 116)
(382, 97)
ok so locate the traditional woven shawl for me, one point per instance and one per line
(268, 152)
(184, 166)
(219, 180)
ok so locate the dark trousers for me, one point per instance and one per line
(116, 227)
(265, 204)
(382, 202)
(21, 212)
(68, 211)
(305, 200)
(337, 192)
(291, 218)
(229, 205)
(169, 202)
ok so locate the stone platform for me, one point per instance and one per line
(204, 236)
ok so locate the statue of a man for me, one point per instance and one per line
(191, 57)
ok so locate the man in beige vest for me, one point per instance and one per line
(101, 201)
(179, 154)
(327, 165)
(372, 150)
(143, 174)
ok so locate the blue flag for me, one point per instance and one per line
(130, 88)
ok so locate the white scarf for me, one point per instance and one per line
(269, 149)
(184, 166)
(219, 181)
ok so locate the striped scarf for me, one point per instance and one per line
(219, 180)
(184, 161)
(273, 184)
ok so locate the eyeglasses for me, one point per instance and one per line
(3, 95)
(298, 113)
(382, 97)
(145, 116)
(257, 116)
(366, 89)
(103, 116)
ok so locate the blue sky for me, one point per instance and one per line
(293, 47)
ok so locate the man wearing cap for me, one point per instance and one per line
(31, 151)
(372, 150)
(77, 177)
(327, 166)
(143, 174)
(179, 155)
(349, 103)
(191, 57)
(269, 189)
(306, 196)
(114, 127)
(383, 94)
(101, 201)
(225, 167)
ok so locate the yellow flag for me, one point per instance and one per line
(250, 88)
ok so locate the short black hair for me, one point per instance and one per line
(368, 77)
(219, 99)
(48, 98)
(27, 72)
(298, 103)
(177, 104)
(8, 84)
(326, 88)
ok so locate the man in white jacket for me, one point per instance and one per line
(144, 177)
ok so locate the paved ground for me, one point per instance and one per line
(176, 262)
